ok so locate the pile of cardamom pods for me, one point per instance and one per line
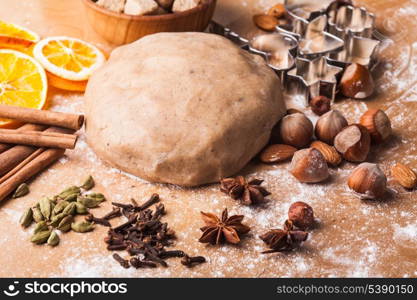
(58, 212)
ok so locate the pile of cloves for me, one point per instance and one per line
(143, 235)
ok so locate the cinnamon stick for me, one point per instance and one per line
(26, 127)
(12, 157)
(30, 115)
(38, 164)
(38, 139)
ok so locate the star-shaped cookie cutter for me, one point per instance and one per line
(311, 78)
(355, 25)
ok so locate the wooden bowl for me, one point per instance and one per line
(119, 28)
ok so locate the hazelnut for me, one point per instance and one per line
(353, 143)
(320, 105)
(357, 82)
(329, 125)
(309, 166)
(378, 125)
(301, 215)
(296, 130)
(368, 180)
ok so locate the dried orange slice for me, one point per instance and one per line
(23, 82)
(13, 36)
(65, 84)
(68, 58)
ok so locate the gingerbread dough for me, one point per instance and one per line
(182, 108)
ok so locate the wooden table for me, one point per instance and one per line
(354, 237)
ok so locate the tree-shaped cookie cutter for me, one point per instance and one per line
(313, 77)
(279, 51)
(355, 25)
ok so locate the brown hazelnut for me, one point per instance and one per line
(329, 125)
(357, 82)
(301, 215)
(368, 180)
(378, 125)
(320, 105)
(309, 166)
(353, 143)
(296, 130)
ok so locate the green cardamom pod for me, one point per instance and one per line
(65, 224)
(21, 191)
(60, 206)
(37, 215)
(80, 208)
(88, 183)
(40, 237)
(45, 207)
(27, 218)
(69, 191)
(55, 220)
(82, 226)
(41, 226)
(91, 200)
(53, 239)
(71, 197)
(70, 209)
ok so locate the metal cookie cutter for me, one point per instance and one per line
(279, 51)
(311, 78)
(314, 40)
(216, 28)
(355, 25)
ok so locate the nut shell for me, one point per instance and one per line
(404, 175)
(378, 125)
(354, 143)
(368, 180)
(277, 153)
(296, 130)
(357, 82)
(309, 166)
(301, 215)
(329, 125)
(330, 153)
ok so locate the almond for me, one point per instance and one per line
(404, 175)
(265, 22)
(277, 153)
(329, 152)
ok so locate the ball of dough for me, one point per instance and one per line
(182, 108)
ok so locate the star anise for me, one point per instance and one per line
(249, 192)
(281, 240)
(227, 229)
